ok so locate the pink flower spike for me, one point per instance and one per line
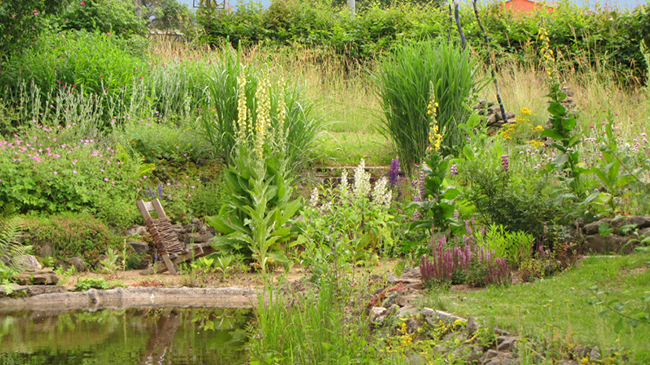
(105, 179)
(144, 176)
(55, 172)
(74, 172)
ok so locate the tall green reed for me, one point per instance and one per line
(404, 81)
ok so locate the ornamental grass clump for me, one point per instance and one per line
(405, 82)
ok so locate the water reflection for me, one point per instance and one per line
(131, 336)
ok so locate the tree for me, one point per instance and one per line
(22, 20)
(106, 16)
(165, 14)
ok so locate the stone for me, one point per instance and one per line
(29, 262)
(197, 237)
(433, 316)
(392, 310)
(580, 352)
(412, 325)
(639, 221)
(139, 246)
(489, 354)
(472, 326)
(594, 354)
(78, 263)
(506, 343)
(178, 228)
(568, 362)
(390, 300)
(610, 243)
(407, 311)
(376, 312)
(592, 228)
(13, 288)
(39, 290)
(499, 332)
(37, 277)
(408, 300)
(493, 357)
(145, 263)
(45, 250)
(139, 230)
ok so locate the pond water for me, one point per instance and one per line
(124, 337)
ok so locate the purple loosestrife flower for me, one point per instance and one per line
(453, 170)
(422, 184)
(393, 174)
(160, 191)
(505, 163)
(150, 193)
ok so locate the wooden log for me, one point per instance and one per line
(168, 264)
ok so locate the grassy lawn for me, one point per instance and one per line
(555, 311)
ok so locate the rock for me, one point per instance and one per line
(78, 263)
(499, 116)
(139, 230)
(390, 300)
(139, 246)
(145, 263)
(38, 290)
(408, 300)
(639, 221)
(45, 250)
(416, 359)
(211, 230)
(472, 326)
(594, 354)
(392, 310)
(499, 332)
(592, 228)
(433, 316)
(14, 288)
(412, 325)
(29, 262)
(610, 243)
(506, 343)
(178, 228)
(197, 237)
(376, 312)
(37, 277)
(568, 362)
(493, 357)
(580, 352)
(407, 311)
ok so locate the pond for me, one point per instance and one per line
(129, 336)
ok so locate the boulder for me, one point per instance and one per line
(139, 230)
(38, 277)
(38, 290)
(639, 221)
(139, 246)
(45, 250)
(78, 263)
(592, 228)
(29, 262)
(472, 325)
(610, 243)
(506, 343)
(197, 237)
(433, 316)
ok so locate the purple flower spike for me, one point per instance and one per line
(393, 174)
(160, 191)
(505, 163)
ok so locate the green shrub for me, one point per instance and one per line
(46, 170)
(10, 250)
(516, 247)
(117, 17)
(71, 61)
(598, 37)
(84, 284)
(504, 199)
(22, 21)
(405, 82)
(71, 234)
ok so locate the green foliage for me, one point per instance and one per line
(110, 264)
(84, 284)
(438, 203)
(602, 36)
(10, 250)
(564, 138)
(345, 227)
(21, 22)
(74, 62)
(406, 81)
(516, 247)
(260, 206)
(105, 16)
(71, 234)
(165, 14)
(517, 204)
(301, 126)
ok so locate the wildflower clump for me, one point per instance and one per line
(435, 138)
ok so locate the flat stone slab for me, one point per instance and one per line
(120, 298)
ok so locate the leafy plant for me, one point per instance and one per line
(10, 250)
(84, 284)
(516, 247)
(110, 264)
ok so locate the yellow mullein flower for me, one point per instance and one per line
(525, 111)
(538, 128)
